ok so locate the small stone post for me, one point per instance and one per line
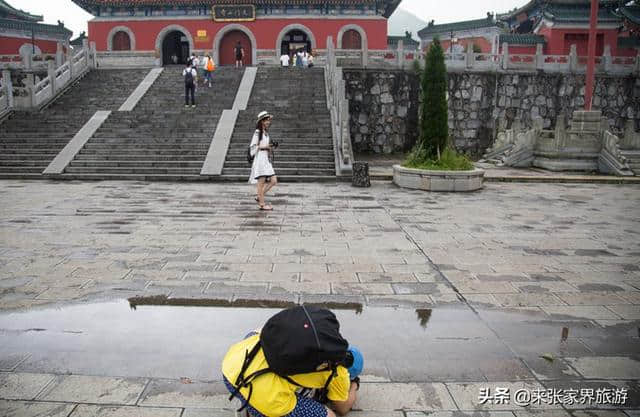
(606, 58)
(505, 56)
(94, 57)
(573, 58)
(470, 58)
(59, 54)
(8, 86)
(85, 49)
(539, 57)
(51, 73)
(365, 55)
(70, 61)
(400, 53)
(27, 61)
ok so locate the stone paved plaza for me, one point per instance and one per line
(457, 292)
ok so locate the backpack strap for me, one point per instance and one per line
(241, 381)
(322, 394)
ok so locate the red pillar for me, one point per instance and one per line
(591, 60)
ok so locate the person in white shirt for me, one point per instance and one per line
(262, 172)
(305, 59)
(190, 76)
(284, 60)
(310, 60)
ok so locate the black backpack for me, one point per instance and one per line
(188, 77)
(295, 341)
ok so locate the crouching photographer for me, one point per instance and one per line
(298, 365)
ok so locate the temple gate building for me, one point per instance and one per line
(162, 32)
(21, 33)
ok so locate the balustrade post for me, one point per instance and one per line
(94, 55)
(400, 57)
(606, 58)
(469, 56)
(638, 64)
(573, 58)
(505, 56)
(59, 54)
(539, 57)
(365, 54)
(27, 61)
(7, 86)
(51, 72)
(70, 62)
(85, 49)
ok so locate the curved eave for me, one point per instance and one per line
(4, 6)
(37, 28)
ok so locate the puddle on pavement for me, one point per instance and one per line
(164, 337)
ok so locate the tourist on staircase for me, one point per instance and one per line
(262, 172)
(208, 66)
(190, 76)
(239, 51)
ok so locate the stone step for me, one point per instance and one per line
(281, 171)
(23, 157)
(21, 169)
(204, 147)
(24, 162)
(279, 164)
(125, 157)
(137, 163)
(316, 157)
(131, 170)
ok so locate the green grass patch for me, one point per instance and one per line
(450, 160)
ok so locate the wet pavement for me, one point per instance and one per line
(530, 287)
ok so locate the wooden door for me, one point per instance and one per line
(121, 41)
(227, 48)
(351, 40)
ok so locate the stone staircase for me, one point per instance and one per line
(29, 141)
(633, 159)
(302, 126)
(160, 139)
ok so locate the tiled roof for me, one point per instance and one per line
(457, 26)
(580, 13)
(629, 42)
(36, 27)
(388, 6)
(393, 39)
(631, 13)
(6, 9)
(521, 39)
(545, 4)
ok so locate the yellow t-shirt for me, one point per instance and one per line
(272, 395)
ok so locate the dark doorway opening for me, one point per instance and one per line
(175, 48)
(295, 41)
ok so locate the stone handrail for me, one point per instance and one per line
(36, 94)
(502, 62)
(338, 106)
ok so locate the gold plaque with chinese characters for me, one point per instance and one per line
(233, 13)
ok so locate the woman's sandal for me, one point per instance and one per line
(266, 207)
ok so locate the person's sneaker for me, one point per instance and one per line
(193, 106)
(186, 106)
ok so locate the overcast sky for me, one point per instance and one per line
(442, 12)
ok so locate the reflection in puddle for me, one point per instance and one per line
(565, 334)
(424, 314)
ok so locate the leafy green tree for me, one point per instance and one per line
(434, 129)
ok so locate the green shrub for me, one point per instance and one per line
(449, 160)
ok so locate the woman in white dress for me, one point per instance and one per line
(262, 172)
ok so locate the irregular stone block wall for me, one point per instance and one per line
(383, 106)
(479, 104)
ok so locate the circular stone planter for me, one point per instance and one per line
(452, 181)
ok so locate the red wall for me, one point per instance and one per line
(521, 49)
(265, 31)
(558, 45)
(11, 46)
(484, 44)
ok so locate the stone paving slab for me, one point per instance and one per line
(23, 386)
(84, 410)
(171, 393)
(389, 396)
(34, 409)
(93, 389)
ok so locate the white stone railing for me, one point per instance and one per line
(61, 71)
(505, 61)
(338, 106)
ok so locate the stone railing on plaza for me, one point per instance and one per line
(481, 62)
(339, 108)
(43, 77)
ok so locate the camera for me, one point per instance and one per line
(274, 144)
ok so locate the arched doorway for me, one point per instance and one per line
(121, 41)
(228, 45)
(295, 40)
(175, 48)
(351, 39)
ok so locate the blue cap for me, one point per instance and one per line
(358, 362)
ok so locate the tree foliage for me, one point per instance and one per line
(434, 129)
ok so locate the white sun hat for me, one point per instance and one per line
(264, 115)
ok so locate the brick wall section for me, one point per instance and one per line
(478, 104)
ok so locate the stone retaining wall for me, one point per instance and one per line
(480, 104)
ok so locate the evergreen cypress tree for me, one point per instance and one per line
(434, 129)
